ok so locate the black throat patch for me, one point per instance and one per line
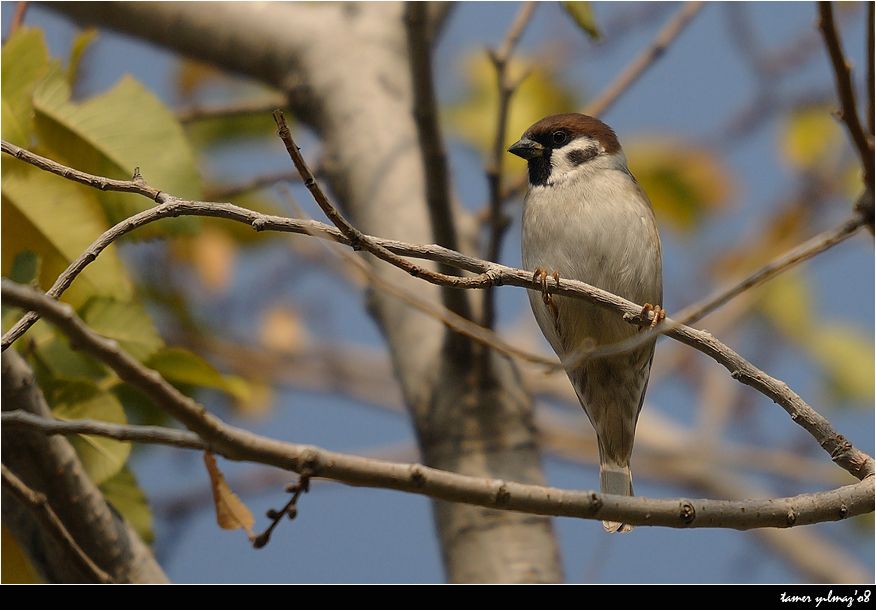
(540, 168)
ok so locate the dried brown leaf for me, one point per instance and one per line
(231, 512)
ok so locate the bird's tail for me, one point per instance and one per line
(618, 480)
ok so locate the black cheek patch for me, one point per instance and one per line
(578, 156)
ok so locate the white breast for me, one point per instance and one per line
(595, 226)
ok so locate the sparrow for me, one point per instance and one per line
(585, 217)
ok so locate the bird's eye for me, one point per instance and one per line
(560, 137)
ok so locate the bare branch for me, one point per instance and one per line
(39, 506)
(499, 222)
(842, 72)
(803, 252)
(255, 183)
(135, 185)
(841, 451)
(355, 237)
(262, 105)
(151, 435)
(18, 17)
(434, 158)
(632, 72)
(871, 71)
(833, 505)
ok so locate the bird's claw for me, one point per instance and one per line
(541, 276)
(659, 314)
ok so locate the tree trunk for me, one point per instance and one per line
(345, 69)
(49, 464)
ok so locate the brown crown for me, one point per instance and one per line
(577, 125)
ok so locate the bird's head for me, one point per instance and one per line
(561, 146)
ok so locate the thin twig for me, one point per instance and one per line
(808, 249)
(262, 105)
(355, 237)
(871, 70)
(836, 504)
(433, 155)
(252, 184)
(152, 435)
(842, 72)
(498, 221)
(289, 510)
(18, 17)
(42, 511)
(692, 313)
(840, 450)
(632, 72)
(452, 320)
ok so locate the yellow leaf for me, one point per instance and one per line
(17, 568)
(473, 118)
(213, 254)
(582, 14)
(846, 355)
(231, 512)
(251, 397)
(192, 76)
(810, 138)
(281, 329)
(683, 181)
(787, 302)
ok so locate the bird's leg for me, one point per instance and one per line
(659, 314)
(541, 276)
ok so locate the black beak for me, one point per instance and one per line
(526, 148)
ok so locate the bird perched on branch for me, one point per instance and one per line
(586, 218)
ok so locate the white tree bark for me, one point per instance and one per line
(345, 69)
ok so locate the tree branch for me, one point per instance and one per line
(261, 105)
(846, 91)
(645, 59)
(871, 70)
(434, 158)
(841, 451)
(808, 249)
(151, 435)
(805, 509)
(39, 505)
(252, 184)
(498, 221)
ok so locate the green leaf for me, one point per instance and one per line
(180, 366)
(81, 44)
(684, 183)
(582, 14)
(473, 118)
(101, 457)
(126, 322)
(810, 138)
(62, 362)
(25, 62)
(111, 134)
(57, 220)
(25, 267)
(125, 494)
